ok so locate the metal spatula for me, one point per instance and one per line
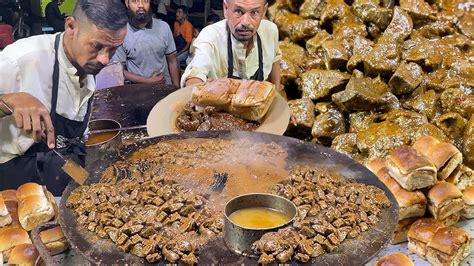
(75, 171)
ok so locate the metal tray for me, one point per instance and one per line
(354, 251)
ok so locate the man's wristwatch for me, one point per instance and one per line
(5, 109)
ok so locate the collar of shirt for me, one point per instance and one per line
(240, 54)
(149, 25)
(71, 71)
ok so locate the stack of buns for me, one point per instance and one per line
(35, 205)
(430, 175)
(54, 240)
(248, 99)
(27, 207)
(412, 204)
(440, 245)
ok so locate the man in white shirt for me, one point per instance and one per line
(241, 46)
(46, 91)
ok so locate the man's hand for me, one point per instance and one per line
(194, 81)
(156, 78)
(31, 116)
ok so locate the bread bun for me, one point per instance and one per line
(23, 254)
(54, 240)
(33, 211)
(29, 189)
(445, 199)
(395, 259)
(411, 169)
(9, 195)
(420, 234)
(217, 92)
(10, 238)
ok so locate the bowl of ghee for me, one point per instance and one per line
(248, 217)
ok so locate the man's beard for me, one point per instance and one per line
(140, 17)
(243, 29)
(93, 67)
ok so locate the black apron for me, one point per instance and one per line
(230, 60)
(41, 165)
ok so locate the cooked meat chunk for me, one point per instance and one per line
(385, 56)
(431, 130)
(315, 43)
(293, 57)
(346, 144)
(312, 9)
(406, 78)
(371, 11)
(458, 101)
(380, 138)
(334, 54)
(294, 26)
(419, 10)
(468, 143)
(303, 112)
(426, 103)
(362, 94)
(453, 125)
(311, 236)
(329, 124)
(316, 84)
(361, 49)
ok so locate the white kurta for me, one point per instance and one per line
(27, 66)
(210, 56)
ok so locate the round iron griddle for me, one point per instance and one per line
(353, 251)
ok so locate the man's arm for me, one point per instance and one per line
(184, 49)
(274, 76)
(173, 69)
(156, 78)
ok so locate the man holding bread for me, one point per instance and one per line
(46, 91)
(242, 46)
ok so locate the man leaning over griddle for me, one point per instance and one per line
(242, 46)
(46, 88)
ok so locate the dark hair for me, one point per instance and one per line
(213, 18)
(184, 8)
(106, 14)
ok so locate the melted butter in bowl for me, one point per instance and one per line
(259, 218)
(100, 138)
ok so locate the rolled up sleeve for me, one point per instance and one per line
(203, 64)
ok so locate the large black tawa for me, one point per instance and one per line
(352, 252)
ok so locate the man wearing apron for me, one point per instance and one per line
(242, 46)
(46, 90)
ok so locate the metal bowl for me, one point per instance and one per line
(240, 239)
(97, 151)
(101, 124)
